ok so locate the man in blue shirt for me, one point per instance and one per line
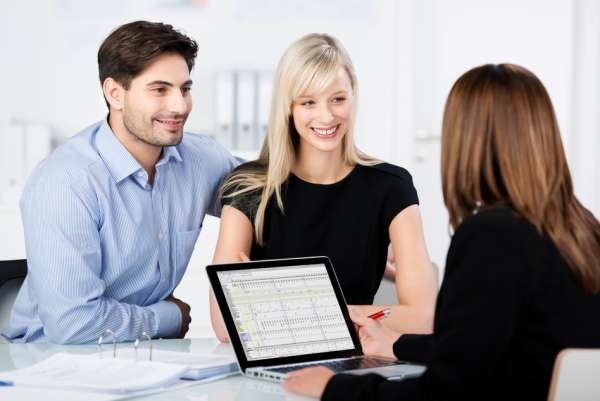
(112, 215)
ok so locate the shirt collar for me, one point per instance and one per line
(118, 160)
(169, 153)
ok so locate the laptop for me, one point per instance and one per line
(288, 314)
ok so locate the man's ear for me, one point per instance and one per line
(114, 93)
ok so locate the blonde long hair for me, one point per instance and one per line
(501, 145)
(311, 62)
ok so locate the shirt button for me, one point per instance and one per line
(160, 236)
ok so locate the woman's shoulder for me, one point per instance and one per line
(390, 178)
(500, 218)
(392, 186)
(245, 175)
(249, 167)
(242, 188)
(387, 177)
(499, 226)
(497, 243)
(387, 171)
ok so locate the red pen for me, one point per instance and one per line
(382, 314)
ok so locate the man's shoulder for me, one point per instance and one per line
(70, 161)
(207, 151)
(200, 144)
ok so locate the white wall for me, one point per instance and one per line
(448, 38)
(407, 54)
(585, 128)
(55, 54)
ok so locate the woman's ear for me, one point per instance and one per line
(114, 93)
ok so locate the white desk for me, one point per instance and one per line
(238, 388)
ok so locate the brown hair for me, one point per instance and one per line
(132, 47)
(501, 146)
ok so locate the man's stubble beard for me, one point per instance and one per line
(147, 136)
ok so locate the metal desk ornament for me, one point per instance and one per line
(136, 344)
(114, 341)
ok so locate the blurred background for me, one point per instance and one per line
(407, 54)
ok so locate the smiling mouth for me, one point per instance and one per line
(170, 124)
(326, 132)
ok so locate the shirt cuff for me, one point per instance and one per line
(413, 347)
(371, 387)
(168, 319)
(351, 387)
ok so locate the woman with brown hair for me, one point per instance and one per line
(523, 269)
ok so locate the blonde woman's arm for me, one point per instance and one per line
(235, 239)
(415, 279)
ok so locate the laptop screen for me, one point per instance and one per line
(285, 311)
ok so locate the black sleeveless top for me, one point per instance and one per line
(347, 221)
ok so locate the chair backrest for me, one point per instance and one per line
(576, 376)
(12, 274)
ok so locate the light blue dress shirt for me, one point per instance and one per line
(104, 247)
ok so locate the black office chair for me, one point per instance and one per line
(12, 274)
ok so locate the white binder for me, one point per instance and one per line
(245, 128)
(224, 107)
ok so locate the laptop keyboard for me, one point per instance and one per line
(341, 365)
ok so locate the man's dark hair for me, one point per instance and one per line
(133, 46)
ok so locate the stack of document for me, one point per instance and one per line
(121, 375)
(199, 366)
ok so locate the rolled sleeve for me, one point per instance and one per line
(167, 318)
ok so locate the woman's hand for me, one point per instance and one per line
(375, 338)
(310, 381)
(233, 245)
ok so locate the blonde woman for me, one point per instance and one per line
(522, 277)
(312, 192)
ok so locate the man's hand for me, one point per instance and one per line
(186, 318)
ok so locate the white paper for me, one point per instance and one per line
(90, 373)
(200, 366)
